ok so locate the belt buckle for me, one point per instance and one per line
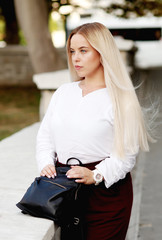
(76, 221)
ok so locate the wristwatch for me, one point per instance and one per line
(97, 176)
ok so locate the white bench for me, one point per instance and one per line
(47, 83)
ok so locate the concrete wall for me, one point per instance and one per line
(15, 66)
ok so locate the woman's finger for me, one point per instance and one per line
(48, 171)
(75, 172)
(52, 169)
(81, 174)
(80, 180)
(45, 173)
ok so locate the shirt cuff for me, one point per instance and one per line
(113, 169)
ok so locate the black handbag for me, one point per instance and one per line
(54, 199)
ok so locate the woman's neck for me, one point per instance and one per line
(92, 84)
(89, 85)
(95, 81)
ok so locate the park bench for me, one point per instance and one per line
(47, 83)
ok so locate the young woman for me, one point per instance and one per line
(96, 118)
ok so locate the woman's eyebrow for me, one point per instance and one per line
(83, 47)
(79, 47)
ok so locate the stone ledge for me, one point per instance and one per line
(51, 80)
(18, 170)
(14, 50)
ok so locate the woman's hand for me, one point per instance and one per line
(48, 171)
(82, 175)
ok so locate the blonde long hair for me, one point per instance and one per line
(130, 131)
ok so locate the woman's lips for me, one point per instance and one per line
(77, 67)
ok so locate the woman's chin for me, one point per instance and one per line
(80, 75)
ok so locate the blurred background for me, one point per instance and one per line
(33, 37)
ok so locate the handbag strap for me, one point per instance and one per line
(74, 158)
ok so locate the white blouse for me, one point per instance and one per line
(81, 127)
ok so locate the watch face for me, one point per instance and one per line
(98, 176)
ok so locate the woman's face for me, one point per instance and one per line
(85, 59)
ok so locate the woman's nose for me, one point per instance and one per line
(76, 57)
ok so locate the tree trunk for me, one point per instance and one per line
(33, 20)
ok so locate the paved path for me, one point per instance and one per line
(150, 222)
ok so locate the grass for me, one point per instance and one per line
(19, 107)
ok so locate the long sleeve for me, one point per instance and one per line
(45, 148)
(81, 127)
(113, 169)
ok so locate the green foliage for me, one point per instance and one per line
(136, 7)
(55, 25)
(22, 40)
(52, 24)
(2, 28)
(125, 9)
(56, 4)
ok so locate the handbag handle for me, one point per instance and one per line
(80, 163)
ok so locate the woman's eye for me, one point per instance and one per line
(83, 51)
(72, 51)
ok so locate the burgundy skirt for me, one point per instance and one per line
(107, 210)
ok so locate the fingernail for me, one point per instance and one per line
(49, 176)
(55, 174)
